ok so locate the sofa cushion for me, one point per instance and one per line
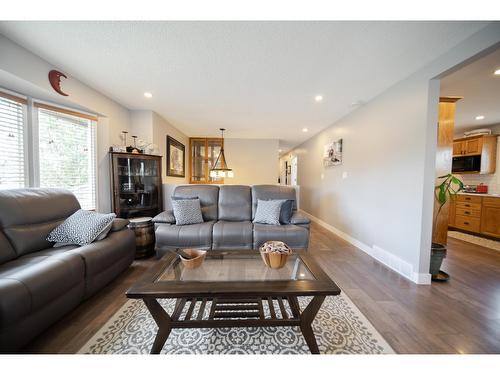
(30, 282)
(235, 203)
(194, 235)
(268, 212)
(7, 252)
(228, 235)
(293, 235)
(27, 216)
(81, 228)
(101, 257)
(208, 195)
(267, 192)
(187, 211)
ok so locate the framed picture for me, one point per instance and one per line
(333, 153)
(176, 158)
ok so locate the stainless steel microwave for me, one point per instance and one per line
(462, 164)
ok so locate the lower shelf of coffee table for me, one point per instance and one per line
(229, 312)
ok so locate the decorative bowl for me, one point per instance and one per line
(275, 253)
(199, 257)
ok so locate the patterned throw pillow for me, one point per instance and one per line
(268, 212)
(81, 228)
(187, 211)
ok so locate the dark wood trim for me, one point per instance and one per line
(173, 142)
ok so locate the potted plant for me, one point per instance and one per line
(447, 190)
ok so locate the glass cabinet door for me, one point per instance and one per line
(213, 146)
(203, 154)
(137, 184)
(198, 160)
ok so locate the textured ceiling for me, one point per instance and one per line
(480, 90)
(257, 79)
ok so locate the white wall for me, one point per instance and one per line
(26, 73)
(385, 204)
(254, 161)
(162, 128)
(141, 125)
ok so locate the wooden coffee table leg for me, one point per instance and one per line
(306, 319)
(163, 321)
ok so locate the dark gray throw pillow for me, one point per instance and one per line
(81, 228)
(286, 211)
(187, 211)
(165, 217)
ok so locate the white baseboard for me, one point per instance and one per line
(383, 256)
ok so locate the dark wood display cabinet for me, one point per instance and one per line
(136, 184)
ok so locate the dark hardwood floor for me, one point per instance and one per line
(460, 316)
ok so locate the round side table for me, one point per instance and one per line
(144, 230)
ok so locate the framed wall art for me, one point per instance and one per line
(333, 153)
(176, 158)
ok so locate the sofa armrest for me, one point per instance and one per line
(165, 217)
(298, 218)
(119, 224)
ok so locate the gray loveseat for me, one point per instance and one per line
(39, 283)
(228, 211)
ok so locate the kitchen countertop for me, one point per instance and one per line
(481, 194)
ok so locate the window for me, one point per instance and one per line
(61, 152)
(66, 146)
(12, 120)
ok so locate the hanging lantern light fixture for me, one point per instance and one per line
(220, 168)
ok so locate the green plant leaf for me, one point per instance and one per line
(442, 195)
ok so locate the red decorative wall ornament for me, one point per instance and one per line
(55, 81)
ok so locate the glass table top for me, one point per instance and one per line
(236, 267)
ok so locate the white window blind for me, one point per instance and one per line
(67, 154)
(12, 165)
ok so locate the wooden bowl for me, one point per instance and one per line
(199, 257)
(275, 260)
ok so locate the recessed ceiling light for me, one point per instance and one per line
(318, 98)
(305, 130)
(497, 72)
(148, 95)
(481, 117)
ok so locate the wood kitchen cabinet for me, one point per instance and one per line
(476, 214)
(490, 217)
(468, 147)
(481, 147)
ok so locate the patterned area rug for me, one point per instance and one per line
(340, 328)
(485, 242)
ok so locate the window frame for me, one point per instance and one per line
(23, 101)
(31, 137)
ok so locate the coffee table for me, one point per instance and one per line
(234, 289)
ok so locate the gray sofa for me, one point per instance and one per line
(39, 283)
(228, 211)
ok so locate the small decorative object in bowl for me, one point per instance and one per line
(192, 258)
(275, 253)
